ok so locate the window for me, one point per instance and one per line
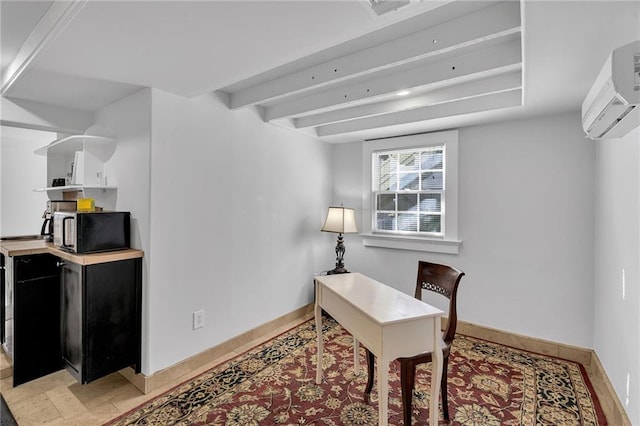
(408, 189)
(410, 200)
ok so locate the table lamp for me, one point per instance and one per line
(341, 221)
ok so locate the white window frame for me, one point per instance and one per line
(448, 242)
(398, 172)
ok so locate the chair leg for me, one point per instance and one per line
(370, 370)
(443, 388)
(407, 380)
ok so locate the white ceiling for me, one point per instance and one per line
(268, 52)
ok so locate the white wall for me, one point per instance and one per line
(526, 197)
(227, 209)
(236, 208)
(129, 121)
(21, 171)
(617, 277)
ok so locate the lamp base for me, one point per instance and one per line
(337, 271)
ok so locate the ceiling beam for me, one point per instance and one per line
(467, 65)
(39, 116)
(507, 99)
(52, 23)
(487, 23)
(498, 83)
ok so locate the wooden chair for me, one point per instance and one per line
(444, 280)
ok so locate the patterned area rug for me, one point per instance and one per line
(274, 384)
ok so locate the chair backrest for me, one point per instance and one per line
(444, 280)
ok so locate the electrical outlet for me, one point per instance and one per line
(198, 319)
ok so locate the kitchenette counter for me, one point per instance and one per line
(12, 248)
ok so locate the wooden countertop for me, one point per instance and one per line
(26, 247)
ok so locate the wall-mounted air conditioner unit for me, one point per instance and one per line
(612, 106)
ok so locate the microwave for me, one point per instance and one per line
(90, 232)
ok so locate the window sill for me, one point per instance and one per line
(411, 243)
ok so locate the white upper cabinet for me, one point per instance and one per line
(79, 162)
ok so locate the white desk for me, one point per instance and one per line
(391, 324)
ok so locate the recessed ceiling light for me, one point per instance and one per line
(403, 93)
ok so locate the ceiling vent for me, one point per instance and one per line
(380, 7)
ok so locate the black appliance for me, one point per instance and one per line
(89, 232)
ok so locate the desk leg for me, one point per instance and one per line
(356, 357)
(383, 390)
(436, 373)
(318, 316)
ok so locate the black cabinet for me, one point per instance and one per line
(101, 317)
(36, 317)
(3, 301)
(87, 318)
(71, 312)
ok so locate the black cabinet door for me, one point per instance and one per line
(36, 317)
(111, 311)
(71, 311)
(3, 303)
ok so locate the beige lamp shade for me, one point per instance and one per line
(340, 220)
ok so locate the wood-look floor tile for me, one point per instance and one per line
(35, 387)
(65, 402)
(5, 384)
(83, 419)
(98, 391)
(104, 411)
(36, 410)
(128, 399)
(5, 365)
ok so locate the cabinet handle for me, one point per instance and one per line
(58, 264)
